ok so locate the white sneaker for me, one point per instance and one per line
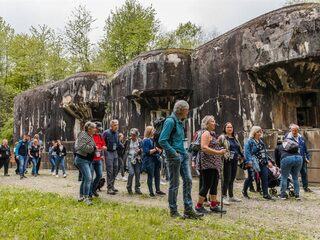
(53, 174)
(225, 201)
(124, 179)
(57, 175)
(163, 183)
(64, 175)
(234, 199)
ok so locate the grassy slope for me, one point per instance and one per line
(34, 215)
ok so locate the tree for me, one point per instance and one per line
(187, 35)
(6, 35)
(129, 30)
(291, 2)
(77, 39)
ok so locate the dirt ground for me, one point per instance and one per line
(302, 216)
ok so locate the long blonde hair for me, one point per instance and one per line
(148, 132)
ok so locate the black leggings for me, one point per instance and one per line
(210, 179)
(229, 175)
(4, 162)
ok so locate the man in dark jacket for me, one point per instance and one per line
(111, 138)
(5, 154)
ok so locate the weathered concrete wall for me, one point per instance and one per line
(56, 110)
(151, 82)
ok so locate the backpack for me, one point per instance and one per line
(290, 146)
(195, 145)
(158, 126)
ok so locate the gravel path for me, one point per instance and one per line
(302, 216)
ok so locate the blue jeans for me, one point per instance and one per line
(52, 163)
(179, 166)
(264, 179)
(85, 169)
(304, 174)
(34, 161)
(153, 169)
(134, 171)
(23, 161)
(96, 167)
(290, 164)
(58, 161)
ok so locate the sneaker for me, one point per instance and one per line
(7, 175)
(80, 199)
(283, 196)
(218, 209)
(225, 201)
(307, 190)
(152, 195)
(124, 179)
(175, 214)
(21, 177)
(57, 175)
(202, 210)
(160, 193)
(24, 176)
(267, 197)
(64, 175)
(191, 214)
(234, 199)
(111, 192)
(87, 201)
(130, 191)
(245, 194)
(115, 190)
(138, 192)
(53, 174)
(251, 189)
(297, 197)
(95, 194)
(163, 183)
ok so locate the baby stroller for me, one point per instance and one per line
(274, 182)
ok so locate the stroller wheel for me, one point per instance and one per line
(273, 191)
(291, 193)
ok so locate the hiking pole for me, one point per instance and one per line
(221, 188)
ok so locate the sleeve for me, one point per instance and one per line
(147, 146)
(64, 151)
(165, 135)
(307, 153)
(17, 148)
(248, 152)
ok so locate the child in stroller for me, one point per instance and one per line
(274, 176)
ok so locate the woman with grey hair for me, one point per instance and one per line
(256, 160)
(84, 149)
(209, 165)
(133, 150)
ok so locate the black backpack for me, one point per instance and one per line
(158, 125)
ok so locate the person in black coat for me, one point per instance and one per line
(5, 154)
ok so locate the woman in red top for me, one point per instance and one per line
(98, 158)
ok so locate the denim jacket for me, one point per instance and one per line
(250, 151)
(174, 145)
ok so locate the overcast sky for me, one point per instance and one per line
(222, 14)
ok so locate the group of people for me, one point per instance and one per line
(94, 145)
(29, 151)
(213, 156)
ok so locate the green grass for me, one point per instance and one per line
(26, 214)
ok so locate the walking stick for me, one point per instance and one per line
(221, 188)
